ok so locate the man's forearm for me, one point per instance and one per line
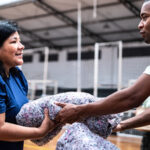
(137, 121)
(115, 103)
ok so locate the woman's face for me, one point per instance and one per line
(11, 52)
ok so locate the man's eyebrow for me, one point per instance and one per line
(142, 14)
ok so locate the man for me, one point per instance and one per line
(122, 100)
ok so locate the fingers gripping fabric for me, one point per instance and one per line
(32, 115)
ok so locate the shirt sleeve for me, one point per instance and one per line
(147, 70)
(2, 96)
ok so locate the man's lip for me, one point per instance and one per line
(142, 33)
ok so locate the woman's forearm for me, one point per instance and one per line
(12, 132)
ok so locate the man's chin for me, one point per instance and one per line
(147, 41)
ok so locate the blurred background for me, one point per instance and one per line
(91, 46)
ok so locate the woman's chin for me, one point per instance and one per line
(19, 63)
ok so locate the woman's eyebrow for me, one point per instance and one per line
(15, 38)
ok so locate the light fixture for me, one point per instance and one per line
(106, 26)
(12, 2)
(46, 33)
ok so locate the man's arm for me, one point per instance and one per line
(118, 102)
(135, 122)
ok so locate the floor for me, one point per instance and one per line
(124, 143)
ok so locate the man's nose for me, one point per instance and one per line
(141, 25)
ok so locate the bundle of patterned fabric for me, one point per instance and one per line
(97, 128)
(79, 137)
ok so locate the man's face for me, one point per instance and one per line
(144, 25)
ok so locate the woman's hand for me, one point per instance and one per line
(47, 125)
(68, 114)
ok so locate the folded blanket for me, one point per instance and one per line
(79, 137)
(32, 115)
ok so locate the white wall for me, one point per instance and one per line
(65, 72)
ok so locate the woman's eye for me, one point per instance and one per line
(13, 41)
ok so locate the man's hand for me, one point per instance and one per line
(118, 128)
(68, 114)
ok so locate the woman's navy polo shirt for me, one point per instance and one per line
(13, 95)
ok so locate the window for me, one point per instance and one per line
(27, 58)
(86, 55)
(51, 57)
(136, 52)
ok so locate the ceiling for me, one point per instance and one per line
(53, 23)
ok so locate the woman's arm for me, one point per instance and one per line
(135, 122)
(118, 102)
(13, 132)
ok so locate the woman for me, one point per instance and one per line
(13, 92)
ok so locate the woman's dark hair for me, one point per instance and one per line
(6, 29)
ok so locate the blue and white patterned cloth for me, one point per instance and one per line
(97, 128)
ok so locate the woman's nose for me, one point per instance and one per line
(21, 46)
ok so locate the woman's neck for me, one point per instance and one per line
(6, 70)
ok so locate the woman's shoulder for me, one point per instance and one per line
(1, 80)
(18, 74)
(20, 78)
(2, 85)
(16, 71)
